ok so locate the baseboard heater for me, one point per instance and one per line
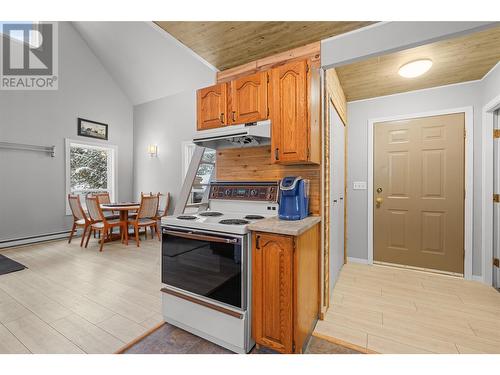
(33, 239)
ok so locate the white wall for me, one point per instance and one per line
(166, 122)
(146, 61)
(32, 185)
(359, 112)
(491, 84)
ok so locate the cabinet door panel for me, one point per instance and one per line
(290, 138)
(211, 107)
(248, 99)
(272, 291)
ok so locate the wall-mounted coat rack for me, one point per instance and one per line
(20, 146)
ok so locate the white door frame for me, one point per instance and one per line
(487, 193)
(469, 169)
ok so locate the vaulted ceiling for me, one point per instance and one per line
(229, 44)
(455, 60)
(145, 61)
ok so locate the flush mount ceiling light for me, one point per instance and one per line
(415, 68)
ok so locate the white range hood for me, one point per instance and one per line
(235, 136)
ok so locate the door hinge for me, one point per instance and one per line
(465, 133)
(267, 77)
(293, 346)
(267, 111)
(308, 153)
(496, 262)
(496, 133)
(307, 68)
(496, 198)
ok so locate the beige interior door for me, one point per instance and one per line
(419, 192)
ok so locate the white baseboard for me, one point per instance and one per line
(477, 278)
(357, 260)
(35, 239)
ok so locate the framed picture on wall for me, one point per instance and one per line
(92, 129)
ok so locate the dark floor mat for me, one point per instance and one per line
(8, 265)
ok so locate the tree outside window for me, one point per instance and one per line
(90, 169)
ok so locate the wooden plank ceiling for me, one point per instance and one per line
(229, 44)
(461, 59)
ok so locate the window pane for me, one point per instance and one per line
(209, 156)
(203, 174)
(88, 169)
(197, 194)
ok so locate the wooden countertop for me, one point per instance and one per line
(286, 227)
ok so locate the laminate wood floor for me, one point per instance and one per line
(77, 300)
(392, 310)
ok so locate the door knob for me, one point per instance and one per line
(379, 201)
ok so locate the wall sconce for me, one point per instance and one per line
(153, 151)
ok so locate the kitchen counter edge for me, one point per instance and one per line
(286, 227)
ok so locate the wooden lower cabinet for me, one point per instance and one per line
(285, 299)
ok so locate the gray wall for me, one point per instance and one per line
(491, 85)
(32, 185)
(469, 94)
(166, 122)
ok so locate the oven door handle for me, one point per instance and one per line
(202, 237)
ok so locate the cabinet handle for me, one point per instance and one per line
(257, 242)
(222, 117)
(277, 154)
(233, 116)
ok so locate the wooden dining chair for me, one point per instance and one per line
(104, 198)
(102, 224)
(164, 211)
(146, 216)
(80, 219)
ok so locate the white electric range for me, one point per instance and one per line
(206, 263)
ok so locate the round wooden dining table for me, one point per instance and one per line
(123, 208)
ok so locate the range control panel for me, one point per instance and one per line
(263, 192)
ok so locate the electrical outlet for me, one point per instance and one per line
(359, 185)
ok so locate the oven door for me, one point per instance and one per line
(205, 264)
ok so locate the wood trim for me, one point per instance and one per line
(203, 303)
(139, 338)
(345, 344)
(336, 93)
(312, 51)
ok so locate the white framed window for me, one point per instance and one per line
(204, 171)
(90, 168)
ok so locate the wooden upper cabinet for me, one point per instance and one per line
(212, 107)
(273, 291)
(248, 99)
(295, 113)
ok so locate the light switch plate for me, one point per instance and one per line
(359, 185)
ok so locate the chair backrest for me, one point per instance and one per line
(103, 197)
(76, 207)
(167, 205)
(94, 208)
(149, 206)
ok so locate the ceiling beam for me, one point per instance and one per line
(387, 37)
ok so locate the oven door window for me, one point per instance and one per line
(203, 264)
